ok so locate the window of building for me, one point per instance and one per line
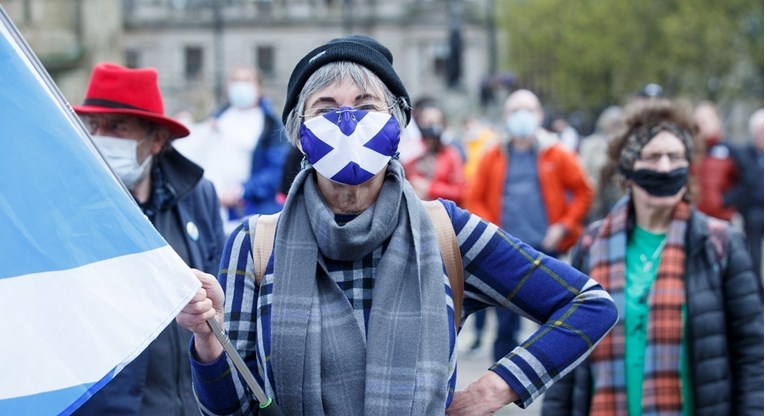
(264, 56)
(264, 6)
(439, 55)
(193, 62)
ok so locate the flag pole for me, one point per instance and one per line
(268, 407)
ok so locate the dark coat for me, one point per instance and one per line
(748, 195)
(189, 219)
(750, 201)
(724, 327)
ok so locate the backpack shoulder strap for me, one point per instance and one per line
(450, 251)
(263, 242)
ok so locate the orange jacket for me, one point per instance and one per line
(566, 191)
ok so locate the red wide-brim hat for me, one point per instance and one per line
(116, 89)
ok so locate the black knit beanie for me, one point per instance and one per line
(359, 49)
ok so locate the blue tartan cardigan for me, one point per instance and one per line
(573, 311)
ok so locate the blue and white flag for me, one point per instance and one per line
(86, 282)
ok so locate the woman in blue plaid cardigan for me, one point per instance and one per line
(354, 313)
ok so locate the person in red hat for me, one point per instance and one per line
(124, 113)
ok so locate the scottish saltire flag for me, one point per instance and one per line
(86, 283)
(349, 145)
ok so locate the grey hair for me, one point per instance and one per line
(336, 72)
(152, 132)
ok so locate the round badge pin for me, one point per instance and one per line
(192, 230)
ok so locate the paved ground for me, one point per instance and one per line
(470, 368)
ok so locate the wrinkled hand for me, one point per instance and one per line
(207, 303)
(482, 397)
(553, 236)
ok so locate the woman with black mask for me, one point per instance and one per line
(689, 339)
(439, 171)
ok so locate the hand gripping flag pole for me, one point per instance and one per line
(267, 406)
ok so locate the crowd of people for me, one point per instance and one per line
(623, 247)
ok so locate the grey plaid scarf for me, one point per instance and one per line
(321, 360)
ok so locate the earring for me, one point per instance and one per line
(304, 163)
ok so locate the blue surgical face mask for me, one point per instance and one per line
(350, 146)
(522, 124)
(121, 155)
(242, 94)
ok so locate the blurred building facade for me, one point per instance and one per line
(70, 36)
(441, 48)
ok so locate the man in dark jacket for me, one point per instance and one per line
(124, 112)
(751, 189)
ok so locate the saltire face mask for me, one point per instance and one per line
(348, 145)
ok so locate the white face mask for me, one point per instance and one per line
(522, 124)
(121, 155)
(242, 94)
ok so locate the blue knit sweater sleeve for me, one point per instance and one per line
(218, 389)
(572, 310)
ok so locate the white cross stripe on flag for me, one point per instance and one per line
(346, 149)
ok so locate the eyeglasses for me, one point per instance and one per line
(655, 157)
(320, 111)
(112, 125)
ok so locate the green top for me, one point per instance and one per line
(642, 264)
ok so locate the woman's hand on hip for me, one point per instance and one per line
(482, 397)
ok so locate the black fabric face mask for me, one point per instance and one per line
(660, 183)
(431, 132)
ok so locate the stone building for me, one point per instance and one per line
(193, 43)
(69, 37)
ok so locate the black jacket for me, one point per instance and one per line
(184, 208)
(724, 326)
(749, 190)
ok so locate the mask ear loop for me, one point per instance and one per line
(304, 163)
